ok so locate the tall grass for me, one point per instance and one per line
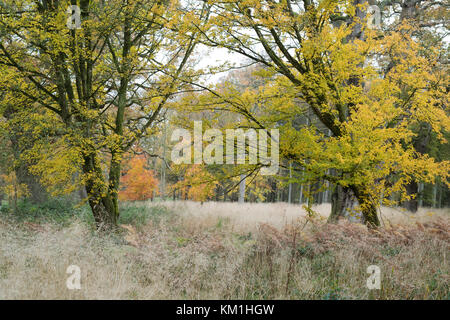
(185, 250)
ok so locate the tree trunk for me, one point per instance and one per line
(369, 209)
(420, 144)
(15, 198)
(104, 215)
(326, 192)
(420, 194)
(242, 189)
(412, 189)
(290, 183)
(435, 191)
(344, 201)
(102, 200)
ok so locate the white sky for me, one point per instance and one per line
(216, 57)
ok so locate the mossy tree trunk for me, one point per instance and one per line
(343, 203)
(368, 207)
(340, 202)
(103, 199)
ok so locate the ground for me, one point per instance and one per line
(186, 250)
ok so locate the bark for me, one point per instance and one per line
(242, 189)
(300, 200)
(369, 209)
(113, 187)
(412, 204)
(102, 200)
(103, 212)
(345, 200)
(290, 184)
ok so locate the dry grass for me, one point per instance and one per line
(228, 251)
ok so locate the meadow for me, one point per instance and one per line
(217, 250)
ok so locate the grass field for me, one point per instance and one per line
(185, 250)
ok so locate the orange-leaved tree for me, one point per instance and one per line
(198, 183)
(139, 183)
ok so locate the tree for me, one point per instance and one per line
(102, 83)
(367, 88)
(198, 183)
(17, 140)
(13, 189)
(139, 183)
(429, 19)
